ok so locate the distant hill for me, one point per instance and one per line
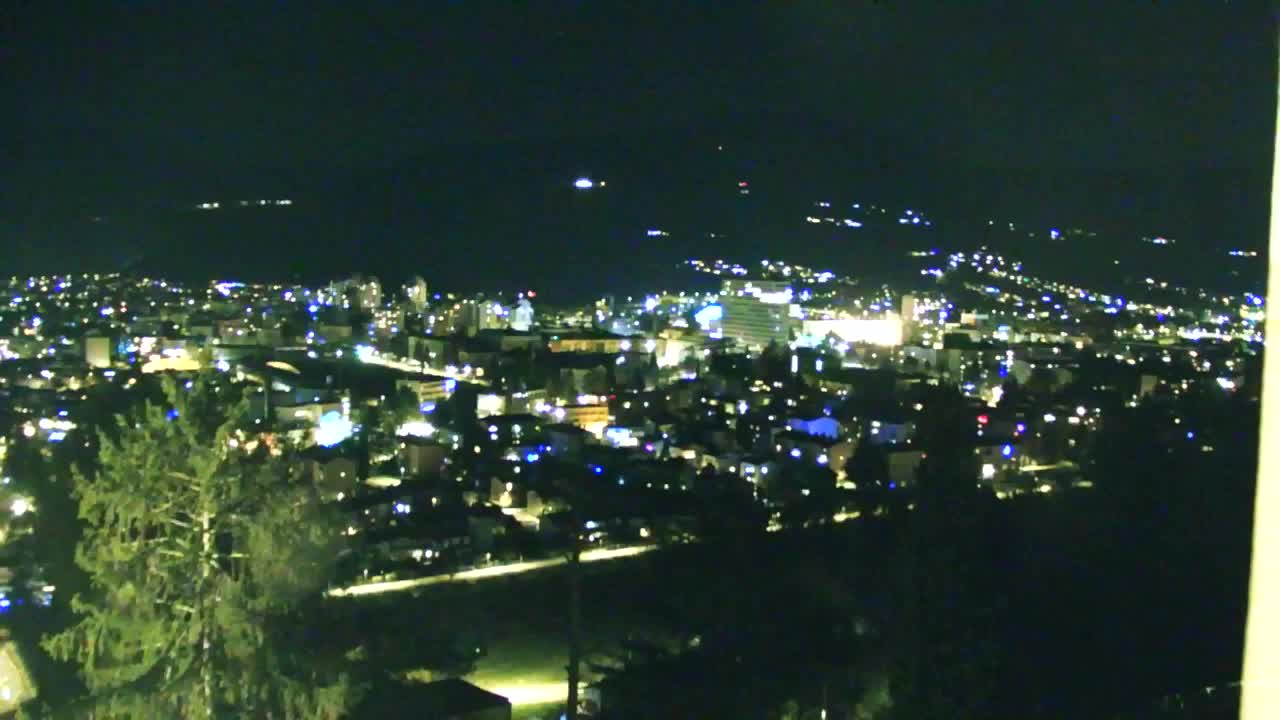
(507, 216)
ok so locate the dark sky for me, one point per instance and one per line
(144, 86)
(159, 101)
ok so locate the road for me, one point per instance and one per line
(484, 573)
(373, 357)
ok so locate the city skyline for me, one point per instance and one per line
(618, 361)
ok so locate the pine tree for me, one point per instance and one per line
(203, 551)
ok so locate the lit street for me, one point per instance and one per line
(484, 573)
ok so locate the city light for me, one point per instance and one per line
(485, 573)
(717, 345)
(332, 428)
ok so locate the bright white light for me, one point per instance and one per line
(598, 555)
(795, 452)
(584, 183)
(417, 428)
(708, 315)
(20, 507)
(1226, 384)
(332, 429)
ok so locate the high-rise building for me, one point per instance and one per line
(369, 294)
(755, 323)
(416, 292)
(522, 316)
(358, 292)
(908, 316)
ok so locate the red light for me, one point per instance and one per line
(742, 183)
(982, 419)
(533, 294)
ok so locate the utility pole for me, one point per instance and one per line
(575, 614)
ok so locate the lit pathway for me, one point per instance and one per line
(389, 586)
(416, 367)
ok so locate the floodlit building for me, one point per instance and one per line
(592, 418)
(885, 331)
(754, 323)
(522, 316)
(97, 351)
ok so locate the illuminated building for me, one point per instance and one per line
(16, 685)
(522, 317)
(368, 294)
(592, 418)
(423, 456)
(97, 351)
(753, 322)
(417, 293)
(885, 331)
(588, 342)
(469, 317)
(430, 390)
(908, 315)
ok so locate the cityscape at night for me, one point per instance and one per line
(775, 361)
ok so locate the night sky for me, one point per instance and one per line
(131, 107)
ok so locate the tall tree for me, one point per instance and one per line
(945, 637)
(202, 549)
